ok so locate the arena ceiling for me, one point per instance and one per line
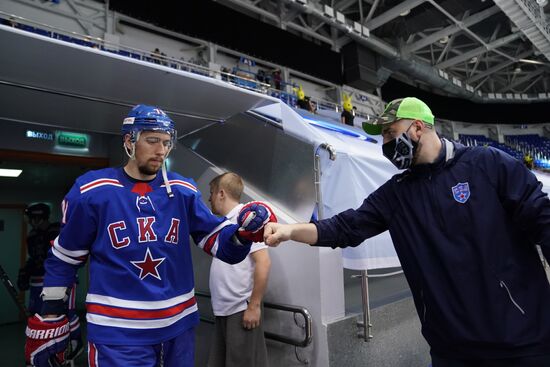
(452, 47)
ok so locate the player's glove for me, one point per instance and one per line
(23, 280)
(252, 218)
(47, 340)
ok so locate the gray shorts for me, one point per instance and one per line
(234, 346)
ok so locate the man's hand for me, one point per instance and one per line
(47, 340)
(275, 233)
(252, 218)
(252, 316)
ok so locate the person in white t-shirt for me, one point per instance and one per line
(237, 290)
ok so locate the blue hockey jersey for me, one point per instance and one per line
(141, 287)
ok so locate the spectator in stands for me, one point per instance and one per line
(201, 59)
(224, 73)
(156, 55)
(237, 290)
(312, 105)
(464, 222)
(303, 101)
(163, 59)
(347, 115)
(276, 77)
(528, 161)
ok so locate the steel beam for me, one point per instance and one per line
(452, 29)
(494, 69)
(393, 13)
(519, 81)
(478, 51)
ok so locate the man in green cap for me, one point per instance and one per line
(464, 222)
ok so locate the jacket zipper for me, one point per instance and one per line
(424, 305)
(503, 285)
(435, 201)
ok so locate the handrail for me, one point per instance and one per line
(144, 55)
(281, 307)
(308, 337)
(169, 61)
(384, 275)
(366, 323)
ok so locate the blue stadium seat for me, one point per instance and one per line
(536, 146)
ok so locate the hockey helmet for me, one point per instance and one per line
(147, 118)
(39, 210)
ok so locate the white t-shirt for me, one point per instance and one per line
(231, 285)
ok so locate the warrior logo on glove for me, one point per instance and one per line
(47, 341)
(252, 219)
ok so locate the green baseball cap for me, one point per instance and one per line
(402, 108)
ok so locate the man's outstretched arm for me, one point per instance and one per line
(348, 228)
(275, 233)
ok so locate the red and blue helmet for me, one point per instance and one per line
(147, 118)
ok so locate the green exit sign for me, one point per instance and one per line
(73, 140)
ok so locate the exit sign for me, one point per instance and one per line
(72, 140)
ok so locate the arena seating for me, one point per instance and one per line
(482, 140)
(247, 81)
(536, 146)
(516, 145)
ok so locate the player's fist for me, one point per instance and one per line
(252, 218)
(47, 340)
(275, 233)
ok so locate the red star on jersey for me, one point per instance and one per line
(148, 266)
(142, 188)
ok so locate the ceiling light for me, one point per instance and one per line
(405, 13)
(473, 60)
(517, 70)
(444, 40)
(10, 172)
(536, 62)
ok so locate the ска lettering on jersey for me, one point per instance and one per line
(146, 232)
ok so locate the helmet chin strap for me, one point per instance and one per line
(166, 182)
(165, 175)
(132, 153)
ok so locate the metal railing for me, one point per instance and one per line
(159, 59)
(365, 324)
(297, 343)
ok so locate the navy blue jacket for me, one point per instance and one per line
(468, 253)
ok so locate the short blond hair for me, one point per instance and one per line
(230, 182)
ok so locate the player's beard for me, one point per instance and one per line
(148, 169)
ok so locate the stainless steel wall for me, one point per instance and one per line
(274, 164)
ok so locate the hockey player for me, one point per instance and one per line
(134, 224)
(31, 276)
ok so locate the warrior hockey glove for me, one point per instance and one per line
(252, 218)
(47, 340)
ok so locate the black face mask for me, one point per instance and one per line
(400, 151)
